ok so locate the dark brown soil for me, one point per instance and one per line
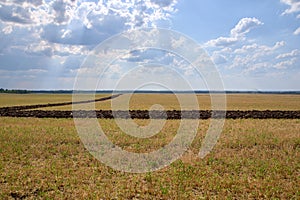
(145, 114)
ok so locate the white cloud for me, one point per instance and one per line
(59, 33)
(23, 3)
(285, 64)
(237, 33)
(51, 49)
(244, 26)
(15, 15)
(89, 23)
(257, 66)
(297, 31)
(62, 12)
(7, 30)
(252, 58)
(178, 42)
(261, 49)
(238, 53)
(246, 48)
(66, 33)
(294, 6)
(279, 44)
(219, 58)
(222, 41)
(293, 53)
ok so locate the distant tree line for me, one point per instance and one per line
(14, 91)
(18, 91)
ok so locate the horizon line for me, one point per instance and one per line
(146, 91)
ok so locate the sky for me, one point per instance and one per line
(255, 45)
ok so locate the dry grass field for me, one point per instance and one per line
(168, 101)
(32, 99)
(253, 159)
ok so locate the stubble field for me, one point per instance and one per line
(168, 101)
(253, 159)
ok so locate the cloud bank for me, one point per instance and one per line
(54, 36)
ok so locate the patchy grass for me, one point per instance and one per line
(45, 159)
(254, 159)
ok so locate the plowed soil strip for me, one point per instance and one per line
(27, 107)
(145, 114)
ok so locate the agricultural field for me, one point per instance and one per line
(253, 159)
(170, 102)
(33, 99)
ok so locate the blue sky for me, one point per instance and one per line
(254, 44)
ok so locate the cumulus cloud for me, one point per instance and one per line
(219, 58)
(7, 29)
(294, 6)
(244, 26)
(297, 31)
(66, 33)
(56, 35)
(133, 13)
(279, 44)
(62, 9)
(83, 22)
(293, 53)
(222, 41)
(143, 56)
(25, 3)
(285, 64)
(261, 49)
(255, 58)
(236, 53)
(246, 48)
(48, 49)
(237, 33)
(15, 15)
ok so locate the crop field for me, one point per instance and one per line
(32, 99)
(44, 158)
(168, 101)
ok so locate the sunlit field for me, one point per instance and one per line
(168, 101)
(253, 159)
(32, 99)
